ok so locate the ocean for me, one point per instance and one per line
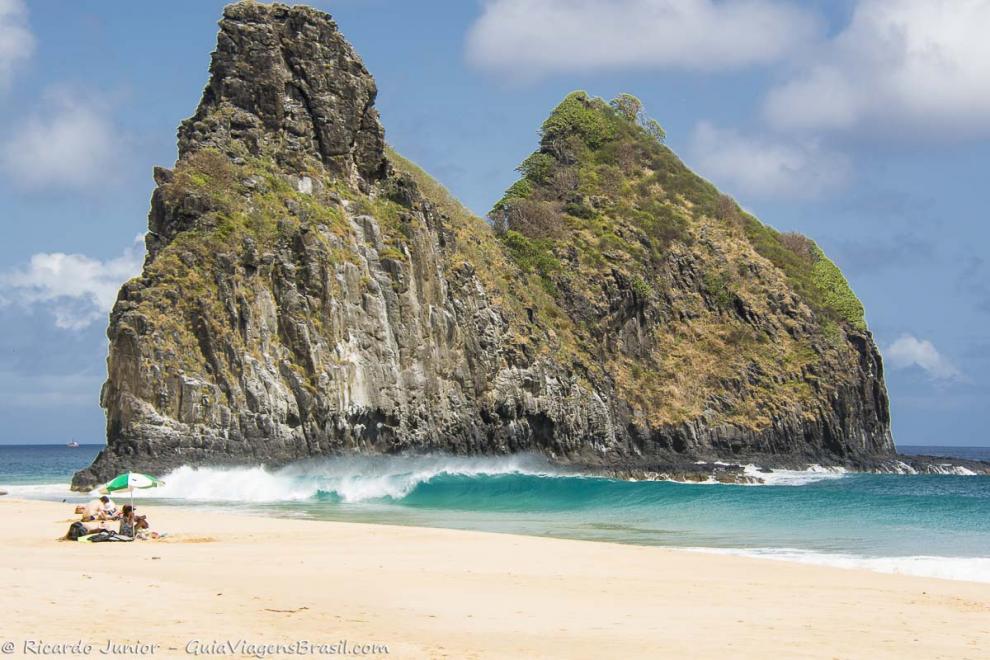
(934, 525)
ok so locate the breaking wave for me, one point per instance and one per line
(794, 477)
(368, 478)
(345, 479)
(418, 479)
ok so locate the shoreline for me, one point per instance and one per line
(940, 567)
(430, 592)
(972, 567)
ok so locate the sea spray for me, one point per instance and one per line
(368, 478)
(347, 478)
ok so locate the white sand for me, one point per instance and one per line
(441, 593)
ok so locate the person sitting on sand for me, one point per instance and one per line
(127, 521)
(134, 525)
(110, 509)
(101, 509)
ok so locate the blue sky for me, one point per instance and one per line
(862, 123)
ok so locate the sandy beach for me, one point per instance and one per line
(433, 593)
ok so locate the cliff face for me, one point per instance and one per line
(308, 292)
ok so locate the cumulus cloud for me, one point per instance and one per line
(76, 289)
(16, 40)
(764, 166)
(908, 351)
(919, 65)
(70, 145)
(527, 39)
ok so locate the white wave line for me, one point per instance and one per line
(969, 569)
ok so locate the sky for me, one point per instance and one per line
(862, 123)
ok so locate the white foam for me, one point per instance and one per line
(794, 477)
(41, 491)
(969, 569)
(812, 474)
(353, 479)
(948, 468)
(900, 467)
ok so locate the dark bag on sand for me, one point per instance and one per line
(76, 530)
(104, 536)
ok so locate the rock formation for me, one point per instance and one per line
(309, 292)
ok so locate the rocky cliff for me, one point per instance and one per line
(308, 292)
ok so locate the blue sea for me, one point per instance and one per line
(935, 525)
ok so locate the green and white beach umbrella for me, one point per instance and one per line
(130, 481)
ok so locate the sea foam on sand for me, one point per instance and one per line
(970, 569)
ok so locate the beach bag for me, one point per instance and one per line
(76, 530)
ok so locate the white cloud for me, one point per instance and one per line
(527, 39)
(77, 289)
(71, 145)
(920, 65)
(766, 167)
(909, 351)
(16, 41)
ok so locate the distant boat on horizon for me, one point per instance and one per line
(73, 444)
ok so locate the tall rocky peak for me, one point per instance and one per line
(309, 292)
(284, 82)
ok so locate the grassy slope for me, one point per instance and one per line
(660, 196)
(601, 194)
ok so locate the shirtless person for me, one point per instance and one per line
(101, 509)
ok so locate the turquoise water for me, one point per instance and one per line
(932, 525)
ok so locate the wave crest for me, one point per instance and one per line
(350, 479)
(794, 477)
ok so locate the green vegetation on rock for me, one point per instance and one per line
(603, 204)
(812, 274)
(604, 170)
(583, 117)
(836, 294)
